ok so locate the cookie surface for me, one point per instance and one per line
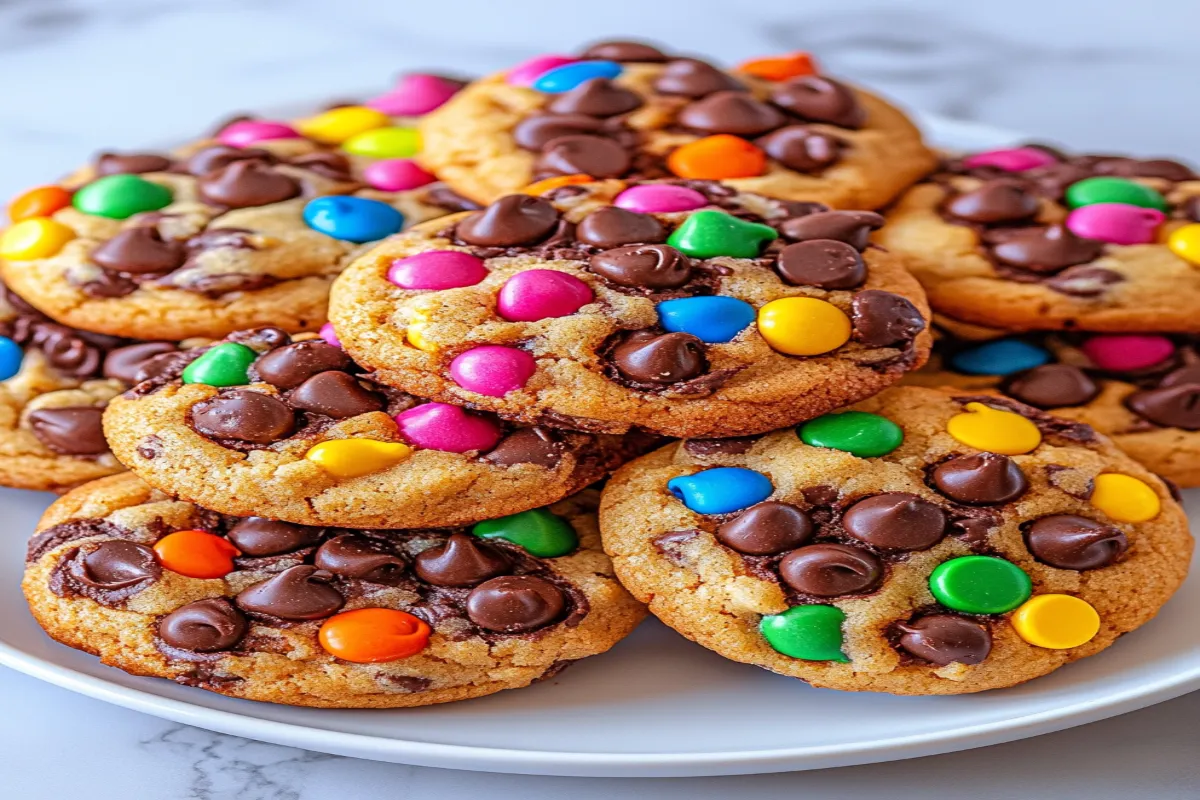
(1033, 239)
(640, 114)
(687, 309)
(257, 424)
(928, 563)
(327, 617)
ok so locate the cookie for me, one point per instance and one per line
(1033, 239)
(924, 542)
(629, 111)
(683, 308)
(327, 617)
(262, 424)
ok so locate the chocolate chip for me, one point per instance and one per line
(691, 77)
(75, 431)
(247, 183)
(613, 227)
(830, 570)
(1084, 281)
(1068, 541)
(730, 111)
(766, 529)
(852, 227)
(1181, 376)
(517, 219)
(596, 97)
(624, 51)
(801, 149)
(1045, 249)
(218, 157)
(982, 479)
(244, 415)
(359, 557)
(1162, 168)
(995, 201)
(647, 357)
(826, 263)
(125, 363)
(444, 197)
(657, 266)
(515, 603)
(533, 133)
(298, 593)
(584, 155)
(462, 561)
(883, 319)
(204, 626)
(1052, 386)
(140, 250)
(896, 521)
(818, 99)
(131, 163)
(289, 366)
(537, 446)
(258, 536)
(1052, 180)
(1170, 406)
(118, 565)
(944, 639)
(334, 166)
(733, 446)
(335, 394)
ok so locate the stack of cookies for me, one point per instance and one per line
(362, 392)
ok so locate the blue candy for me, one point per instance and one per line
(711, 319)
(11, 356)
(352, 219)
(1001, 357)
(568, 76)
(721, 490)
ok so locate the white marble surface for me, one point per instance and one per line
(86, 74)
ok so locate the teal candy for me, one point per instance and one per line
(712, 319)
(857, 432)
(1001, 357)
(121, 196)
(568, 76)
(541, 533)
(980, 585)
(810, 633)
(709, 233)
(1090, 191)
(721, 490)
(223, 365)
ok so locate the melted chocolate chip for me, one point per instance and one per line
(1181, 376)
(801, 149)
(247, 183)
(825, 263)
(125, 363)
(691, 77)
(131, 163)
(596, 97)
(463, 560)
(119, 564)
(624, 51)
(818, 99)
(517, 219)
(359, 557)
(245, 416)
(1169, 406)
(258, 537)
(536, 445)
(896, 521)
(883, 319)
(1044, 249)
(995, 201)
(289, 366)
(944, 639)
(335, 394)
(733, 446)
(515, 604)
(1052, 386)
(830, 570)
(1067, 541)
(852, 227)
(1162, 168)
(74, 431)
(444, 197)
(205, 626)
(730, 111)
(581, 154)
(614, 227)
(1084, 281)
(533, 133)
(333, 166)
(982, 479)
(298, 593)
(648, 357)
(218, 157)
(651, 267)
(766, 529)
(141, 250)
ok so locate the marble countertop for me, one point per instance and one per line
(88, 74)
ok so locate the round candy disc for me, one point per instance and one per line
(980, 585)
(121, 196)
(223, 365)
(803, 326)
(1001, 357)
(994, 430)
(373, 635)
(541, 533)
(1125, 498)
(856, 432)
(810, 633)
(721, 490)
(1056, 621)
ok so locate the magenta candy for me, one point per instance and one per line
(1128, 352)
(493, 370)
(525, 73)
(1016, 159)
(329, 335)
(437, 270)
(439, 426)
(246, 132)
(540, 293)
(414, 95)
(657, 198)
(397, 175)
(1116, 223)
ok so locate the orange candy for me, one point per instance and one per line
(40, 202)
(780, 68)
(542, 186)
(715, 158)
(196, 554)
(371, 635)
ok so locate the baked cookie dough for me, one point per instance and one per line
(328, 617)
(925, 542)
(773, 126)
(684, 308)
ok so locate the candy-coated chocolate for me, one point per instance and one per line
(1001, 357)
(11, 356)
(373, 635)
(1126, 352)
(525, 73)
(1014, 159)
(339, 124)
(780, 68)
(352, 219)
(1124, 498)
(414, 95)
(223, 365)
(810, 633)
(558, 181)
(1116, 223)
(996, 431)
(196, 554)
(712, 319)
(415, 332)
(1105, 189)
(437, 270)
(492, 370)
(1056, 621)
(440, 426)
(541, 294)
(397, 175)
(803, 326)
(659, 198)
(717, 158)
(980, 585)
(38, 202)
(566, 77)
(38, 237)
(351, 458)
(856, 432)
(1185, 243)
(385, 143)
(247, 132)
(710, 233)
(540, 533)
(329, 335)
(120, 196)
(721, 490)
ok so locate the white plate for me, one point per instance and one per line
(657, 705)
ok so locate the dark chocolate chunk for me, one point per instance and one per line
(131, 163)
(730, 111)
(335, 394)
(817, 99)
(995, 201)
(1068, 541)
(119, 564)
(1169, 406)
(515, 604)
(74, 431)
(825, 263)
(896, 521)
(648, 357)
(831, 570)
(538, 446)
(624, 51)
(656, 266)
(247, 183)
(596, 97)
(1052, 386)
(289, 366)
(801, 149)
(852, 227)
(463, 560)
(298, 593)
(766, 529)
(981, 479)
(359, 557)
(691, 77)
(203, 626)
(532, 133)
(1045, 249)
(883, 319)
(258, 537)
(141, 250)
(125, 364)
(582, 154)
(244, 415)
(514, 220)
(945, 638)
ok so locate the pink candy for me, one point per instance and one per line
(493, 370)
(437, 269)
(397, 175)
(1128, 352)
(1016, 159)
(414, 95)
(525, 73)
(1116, 223)
(540, 293)
(246, 132)
(439, 426)
(660, 199)
(329, 335)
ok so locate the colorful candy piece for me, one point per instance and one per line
(38, 202)
(660, 198)
(1124, 498)
(329, 335)
(121, 196)
(803, 326)
(1014, 159)
(1001, 357)
(525, 73)
(1056, 621)
(492, 370)
(385, 143)
(437, 270)
(993, 430)
(38, 237)
(980, 585)
(11, 356)
(352, 219)
(1116, 223)
(712, 319)
(1105, 189)
(710, 233)
(352, 458)
(556, 182)
(855, 432)
(810, 633)
(414, 95)
(717, 158)
(440, 426)
(223, 365)
(1128, 351)
(539, 532)
(196, 554)
(541, 294)
(1185, 243)
(721, 490)
(780, 68)
(339, 124)
(397, 175)
(566, 77)
(415, 332)
(373, 635)
(248, 132)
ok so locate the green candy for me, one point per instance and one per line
(1090, 191)
(857, 432)
(980, 585)
(811, 633)
(121, 196)
(707, 234)
(538, 531)
(223, 365)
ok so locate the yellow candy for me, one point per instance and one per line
(803, 326)
(415, 332)
(1056, 621)
(1124, 498)
(39, 237)
(1185, 243)
(339, 124)
(350, 458)
(385, 143)
(993, 430)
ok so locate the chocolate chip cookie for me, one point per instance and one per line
(923, 542)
